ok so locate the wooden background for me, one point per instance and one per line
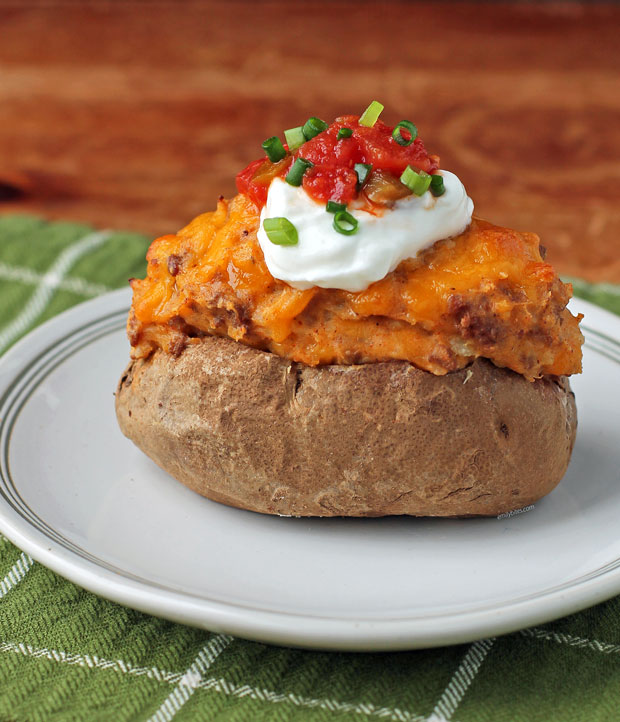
(138, 115)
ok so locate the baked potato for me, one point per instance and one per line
(440, 389)
(249, 429)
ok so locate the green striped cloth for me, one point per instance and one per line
(66, 654)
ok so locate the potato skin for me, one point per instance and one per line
(249, 429)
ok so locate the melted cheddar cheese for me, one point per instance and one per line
(487, 292)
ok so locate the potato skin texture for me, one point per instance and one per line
(249, 429)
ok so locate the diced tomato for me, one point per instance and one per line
(332, 176)
(326, 183)
(245, 185)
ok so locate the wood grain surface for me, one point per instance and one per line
(138, 115)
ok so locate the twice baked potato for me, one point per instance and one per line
(438, 389)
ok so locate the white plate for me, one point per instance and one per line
(82, 500)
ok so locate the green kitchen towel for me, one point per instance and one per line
(66, 654)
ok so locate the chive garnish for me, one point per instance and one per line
(294, 138)
(344, 133)
(437, 186)
(417, 183)
(363, 171)
(398, 136)
(281, 231)
(296, 173)
(313, 126)
(334, 207)
(370, 116)
(274, 149)
(345, 223)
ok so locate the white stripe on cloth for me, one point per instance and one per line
(220, 685)
(361, 708)
(461, 679)
(48, 285)
(76, 285)
(91, 661)
(561, 638)
(192, 678)
(16, 573)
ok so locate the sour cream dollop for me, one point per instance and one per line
(323, 257)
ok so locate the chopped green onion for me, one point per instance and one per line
(345, 223)
(437, 186)
(417, 183)
(344, 133)
(398, 136)
(281, 231)
(313, 126)
(334, 207)
(274, 149)
(294, 138)
(296, 173)
(363, 171)
(370, 116)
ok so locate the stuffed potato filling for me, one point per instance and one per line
(486, 292)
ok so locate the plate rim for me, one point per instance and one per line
(312, 631)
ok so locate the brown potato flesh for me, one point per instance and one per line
(252, 430)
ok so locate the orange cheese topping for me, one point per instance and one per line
(487, 292)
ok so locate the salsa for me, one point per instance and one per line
(332, 175)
